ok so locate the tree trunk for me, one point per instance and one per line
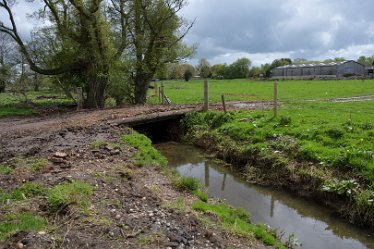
(96, 92)
(141, 88)
(36, 82)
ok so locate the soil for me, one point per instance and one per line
(130, 207)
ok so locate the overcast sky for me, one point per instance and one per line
(264, 30)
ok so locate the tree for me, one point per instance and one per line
(204, 68)
(187, 75)
(7, 57)
(87, 37)
(240, 68)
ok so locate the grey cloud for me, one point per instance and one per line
(308, 28)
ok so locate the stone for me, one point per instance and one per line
(19, 245)
(57, 160)
(60, 154)
(115, 152)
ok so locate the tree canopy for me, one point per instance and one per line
(86, 40)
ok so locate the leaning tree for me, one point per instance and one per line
(84, 38)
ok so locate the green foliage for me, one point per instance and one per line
(23, 192)
(343, 187)
(60, 197)
(187, 75)
(238, 221)
(146, 154)
(22, 222)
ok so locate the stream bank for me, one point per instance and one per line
(312, 225)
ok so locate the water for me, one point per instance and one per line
(313, 225)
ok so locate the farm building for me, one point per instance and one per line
(320, 70)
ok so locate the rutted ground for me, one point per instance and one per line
(71, 183)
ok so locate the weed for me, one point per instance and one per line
(177, 204)
(98, 144)
(13, 223)
(285, 120)
(335, 133)
(186, 183)
(60, 197)
(36, 164)
(343, 187)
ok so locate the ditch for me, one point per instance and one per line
(312, 225)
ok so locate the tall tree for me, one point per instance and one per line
(204, 68)
(87, 37)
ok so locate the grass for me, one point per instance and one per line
(13, 223)
(191, 185)
(23, 192)
(238, 221)
(146, 154)
(16, 111)
(11, 104)
(5, 170)
(77, 193)
(181, 92)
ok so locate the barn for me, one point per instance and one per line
(320, 70)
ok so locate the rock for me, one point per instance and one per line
(60, 154)
(115, 152)
(118, 216)
(19, 245)
(57, 160)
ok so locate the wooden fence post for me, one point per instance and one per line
(206, 95)
(223, 103)
(79, 98)
(162, 93)
(275, 99)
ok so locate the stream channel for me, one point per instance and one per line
(313, 225)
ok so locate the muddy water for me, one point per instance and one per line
(312, 225)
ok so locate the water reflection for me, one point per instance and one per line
(313, 225)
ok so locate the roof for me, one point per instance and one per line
(322, 64)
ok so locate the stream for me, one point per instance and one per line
(314, 226)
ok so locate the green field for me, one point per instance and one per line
(181, 92)
(13, 104)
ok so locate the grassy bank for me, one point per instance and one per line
(311, 149)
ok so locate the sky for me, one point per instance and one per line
(264, 30)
